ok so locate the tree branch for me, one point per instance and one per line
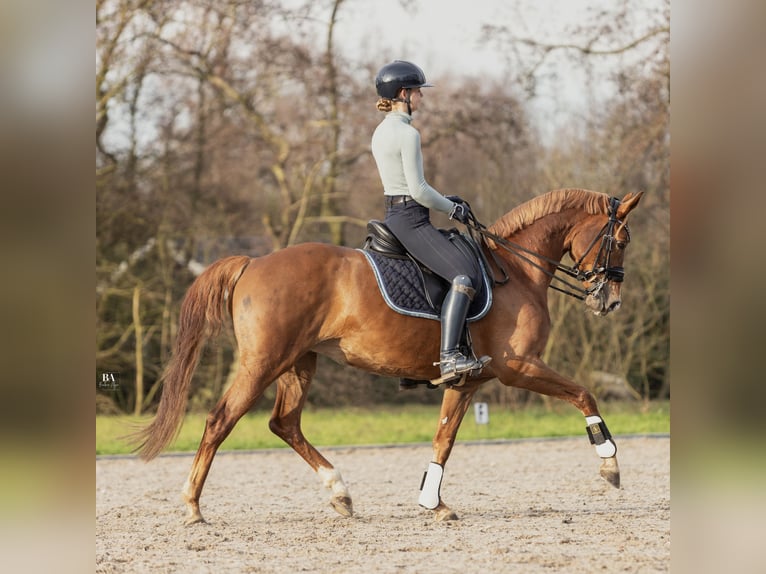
(588, 48)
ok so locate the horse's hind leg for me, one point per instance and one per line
(237, 400)
(292, 388)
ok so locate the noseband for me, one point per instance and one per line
(605, 239)
(601, 264)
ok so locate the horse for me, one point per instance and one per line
(291, 305)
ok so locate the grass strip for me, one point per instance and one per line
(396, 425)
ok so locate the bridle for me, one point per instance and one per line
(605, 239)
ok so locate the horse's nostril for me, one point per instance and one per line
(614, 306)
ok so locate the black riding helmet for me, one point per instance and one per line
(397, 75)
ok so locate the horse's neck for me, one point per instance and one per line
(544, 241)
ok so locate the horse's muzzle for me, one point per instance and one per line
(604, 301)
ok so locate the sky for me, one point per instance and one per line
(443, 36)
(436, 35)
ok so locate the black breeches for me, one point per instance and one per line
(411, 224)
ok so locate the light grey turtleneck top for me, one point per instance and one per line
(396, 149)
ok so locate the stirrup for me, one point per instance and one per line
(452, 379)
(460, 377)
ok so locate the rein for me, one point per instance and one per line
(606, 235)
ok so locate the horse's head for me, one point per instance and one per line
(598, 248)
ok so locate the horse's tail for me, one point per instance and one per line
(202, 315)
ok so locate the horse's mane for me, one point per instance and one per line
(556, 201)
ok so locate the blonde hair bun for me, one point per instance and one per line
(384, 105)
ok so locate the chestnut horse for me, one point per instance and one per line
(291, 305)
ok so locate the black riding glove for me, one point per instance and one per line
(460, 212)
(456, 199)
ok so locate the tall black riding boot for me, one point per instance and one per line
(452, 363)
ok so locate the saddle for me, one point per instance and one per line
(381, 240)
(410, 287)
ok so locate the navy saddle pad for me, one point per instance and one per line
(411, 289)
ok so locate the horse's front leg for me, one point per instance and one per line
(455, 403)
(536, 376)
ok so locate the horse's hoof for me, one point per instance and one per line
(194, 519)
(610, 471)
(342, 505)
(444, 515)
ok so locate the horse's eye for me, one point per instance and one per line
(622, 244)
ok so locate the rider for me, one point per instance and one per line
(396, 148)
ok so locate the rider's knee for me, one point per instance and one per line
(463, 284)
(462, 280)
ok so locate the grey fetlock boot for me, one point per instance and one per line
(452, 363)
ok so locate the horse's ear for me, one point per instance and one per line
(628, 203)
